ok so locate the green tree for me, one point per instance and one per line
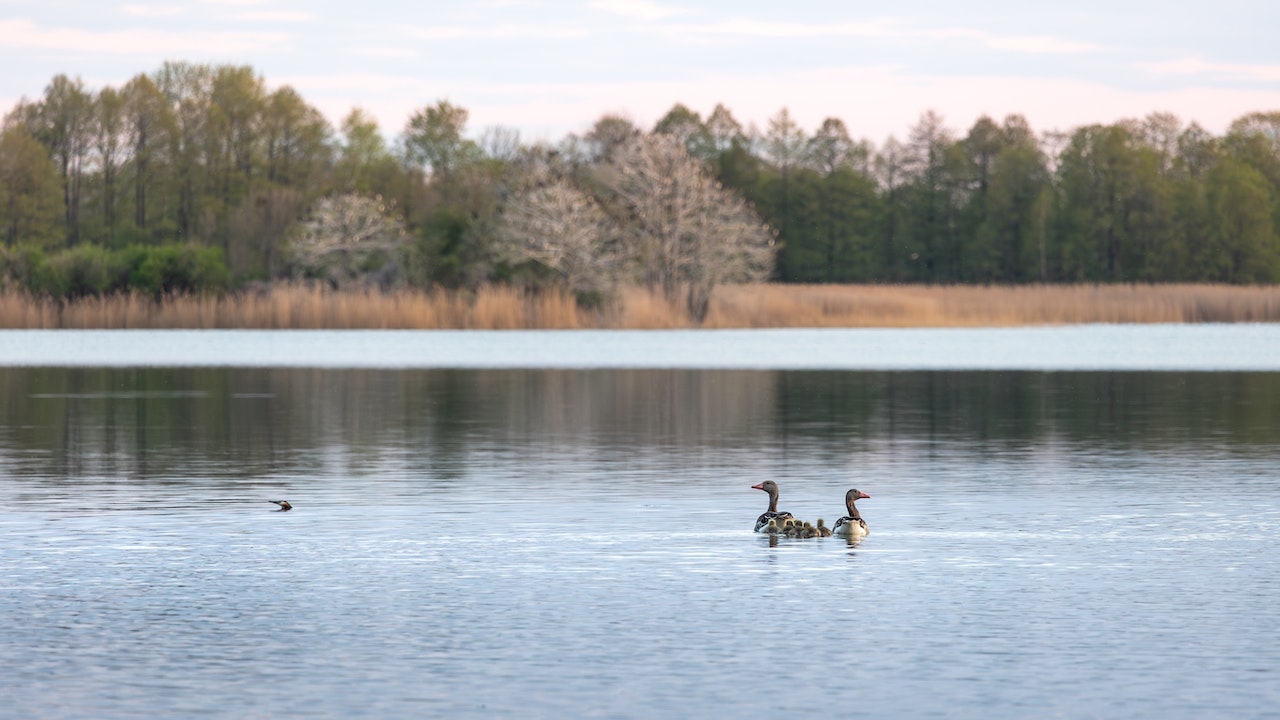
(149, 127)
(433, 137)
(1242, 243)
(365, 164)
(296, 138)
(933, 168)
(686, 126)
(1098, 177)
(723, 131)
(1013, 229)
(1255, 139)
(891, 175)
(109, 144)
(830, 208)
(785, 146)
(62, 122)
(29, 190)
(237, 103)
(187, 93)
(607, 135)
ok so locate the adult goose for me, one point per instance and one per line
(852, 524)
(772, 513)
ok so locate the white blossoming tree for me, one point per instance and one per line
(560, 228)
(685, 232)
(348, 240)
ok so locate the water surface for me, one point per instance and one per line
(570, 542)
(1243, 346)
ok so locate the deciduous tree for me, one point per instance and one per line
(563, 230)
(684, 231)
(29, 197)
(434, 138)
(348, 240)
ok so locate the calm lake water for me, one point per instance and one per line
(575, 541)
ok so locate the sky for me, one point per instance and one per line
(548, 68)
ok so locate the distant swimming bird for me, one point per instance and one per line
(772, 513)
(284, 505)
(852, 524)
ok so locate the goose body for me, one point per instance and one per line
(852, 525)
(284, 505)
(772, 513)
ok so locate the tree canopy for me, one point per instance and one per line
(210, 156)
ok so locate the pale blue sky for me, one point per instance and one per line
(549, 67)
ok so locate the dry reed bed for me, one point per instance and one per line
(971, 306)
(750, 306)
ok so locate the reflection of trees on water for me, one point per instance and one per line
(237, 423)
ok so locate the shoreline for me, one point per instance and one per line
(732, 307)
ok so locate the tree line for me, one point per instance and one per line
(199, 176)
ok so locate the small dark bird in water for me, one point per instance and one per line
(284, 505)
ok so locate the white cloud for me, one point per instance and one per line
(1194, 66)
(152, 11)
(888, 29)
(286, 16)
(460, 32)
(358, 83)
(748, 28)
(639, 9)
(26, 34)
(386, 52)
(1038, 44)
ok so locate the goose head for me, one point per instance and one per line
(771, 488)
(853, 496)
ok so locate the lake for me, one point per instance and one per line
(1069, 522)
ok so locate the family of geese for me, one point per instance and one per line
(774, 522)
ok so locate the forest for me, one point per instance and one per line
(202, 178)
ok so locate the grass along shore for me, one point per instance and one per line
(742, 306)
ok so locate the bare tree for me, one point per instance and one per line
(348, 239)
(560, 228)
(500, 143)
(684, 231)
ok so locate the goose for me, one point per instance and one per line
(852, 524)
(284, 505)
(823, 530)
(772, 513)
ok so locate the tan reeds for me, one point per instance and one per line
(972, 306)
(744, 306)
